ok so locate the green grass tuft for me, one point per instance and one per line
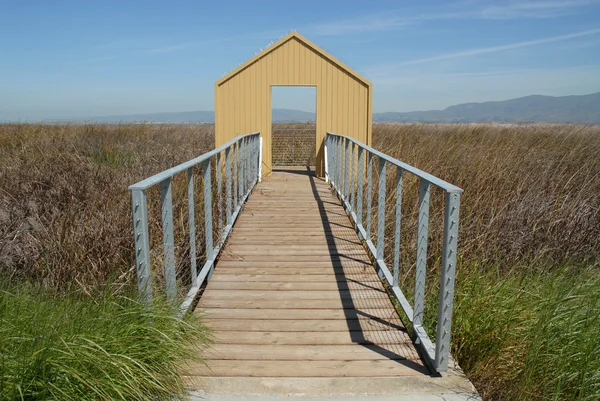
(108, 347)
(528, 336)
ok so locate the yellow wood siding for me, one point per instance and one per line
(243, 97)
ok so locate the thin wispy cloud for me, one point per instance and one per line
(372, 23)
(494, 49)
(535, 9)
(402, 18)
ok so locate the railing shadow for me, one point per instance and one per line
(354, 313)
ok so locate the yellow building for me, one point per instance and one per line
(243, 97)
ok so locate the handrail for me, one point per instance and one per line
(344, 169)
(242, 161)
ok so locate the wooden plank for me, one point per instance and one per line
(300, 239)
(208, 301)
(341, 263)
(296, 278)
(291, 274)
(297, 250)
(285, 258)
(295, 246)
(375, 368)
(269, 352)
(295, 286)
(312, 338)
(251, 295)
(291, 314)
(307, 325)
(296, 225)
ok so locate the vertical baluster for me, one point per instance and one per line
(352, 182)
(260, 142)
(422, 237)
(192, 224)
(398, 225)
(346, 170)
(381, 210)
(236, 154)
(359, 190)
(166, 201)
(219, 168)
(246, 165)
(334, 148)
(444, 322)
(336, 145)
(240, 177)
(142, 244)
(327, 154)
(340, 165)
(251, 163)
(240, 173)
(369, 193)
(208, 221)
(228, 184)
(254, 159)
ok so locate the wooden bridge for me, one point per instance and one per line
(295, 303)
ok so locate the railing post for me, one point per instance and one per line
(247, 176)
(326, 156)
(236, 155)
(381, 210)
(444, 323)
(369, 194)
(360, 189)
(242, 171)
(240, 174)
(228, 184)
(340, 166)
(260, 155)
(346, 170)
(334, 150)
(336, 146)
(422, 238)
(219, 167)
(398, 225)
(208, 221)
(142, 244)
(352, 180)
(166, 200)
(192, 224)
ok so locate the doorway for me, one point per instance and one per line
(293, 125)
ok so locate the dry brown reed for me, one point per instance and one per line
(64, 204)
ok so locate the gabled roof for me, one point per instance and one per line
(304, 41)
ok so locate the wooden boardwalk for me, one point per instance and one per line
(294, 294)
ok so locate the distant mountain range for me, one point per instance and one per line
(535, 108)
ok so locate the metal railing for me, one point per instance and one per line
(344, 168)
(242, 159)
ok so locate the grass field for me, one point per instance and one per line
(527, 312)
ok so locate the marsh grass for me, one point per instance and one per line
(65, 210)
(98, 346)
(529, 336)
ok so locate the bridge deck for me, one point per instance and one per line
(294, 294)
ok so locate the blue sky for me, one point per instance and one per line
(61, 59)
